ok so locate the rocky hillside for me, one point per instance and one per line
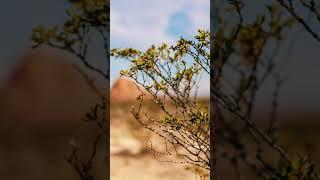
(45, 88)
(124, 90)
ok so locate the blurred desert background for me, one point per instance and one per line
(43, 98)
(131, 154)
(43, 101)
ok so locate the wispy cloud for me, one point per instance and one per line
(141, 23)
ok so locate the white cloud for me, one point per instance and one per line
(141, 23)
(200, 13)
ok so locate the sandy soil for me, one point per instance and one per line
(131, 160)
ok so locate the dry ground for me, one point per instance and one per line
(131, 158)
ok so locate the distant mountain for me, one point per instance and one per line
(124, 89)
(44, 87)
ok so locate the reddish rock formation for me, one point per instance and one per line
(124, 90)
(45, 88)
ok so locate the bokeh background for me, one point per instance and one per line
(140, 24)
(43, 97)
(299, 98)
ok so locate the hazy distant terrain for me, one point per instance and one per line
(130, 143)
(41, 109)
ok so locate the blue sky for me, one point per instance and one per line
(141, 23)
(138, 23)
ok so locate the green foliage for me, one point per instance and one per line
(84, 17)
(169, 74)
(244, 56)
